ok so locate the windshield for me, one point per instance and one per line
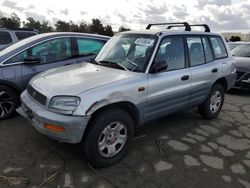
(130, 52)
(242, 51)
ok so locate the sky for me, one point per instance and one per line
(220, 15)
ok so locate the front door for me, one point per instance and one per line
(169, 91)
(53, 53)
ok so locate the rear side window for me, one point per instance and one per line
(218, 47)
(89, 46)
(196, 52)
(207, 50)
(5, 38)
(23, 35)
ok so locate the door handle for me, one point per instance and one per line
(186, 77)
(214, 70)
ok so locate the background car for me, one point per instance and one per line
(24, 59)
(233, 45)
(242, 56)
(9, 36)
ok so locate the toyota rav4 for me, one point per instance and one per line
(137, 76)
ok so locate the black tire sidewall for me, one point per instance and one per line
(15, 97)
(90, 140)
(204, 109)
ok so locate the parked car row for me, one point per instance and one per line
(24, 59)
(241, 53)
(136, 77)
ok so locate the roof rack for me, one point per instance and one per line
(181, 24)
(207, 29)
(20, 29)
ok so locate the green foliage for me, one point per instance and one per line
(235, 38)
(13, 21)
(41, 27)
(122, 28)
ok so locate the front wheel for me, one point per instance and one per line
(8, 102)
(108, 138)
(214, 102)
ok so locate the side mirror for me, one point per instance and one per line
(31, 60)
(159, 66)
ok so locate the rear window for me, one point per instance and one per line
(218, 47)
(5, 38)
(23, 35)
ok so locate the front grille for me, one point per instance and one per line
(36, 95)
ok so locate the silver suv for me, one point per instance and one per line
(137, 77)
(9, 36)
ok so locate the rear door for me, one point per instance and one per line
(205, 66)
(87, 48)
(169, 91)
(53, 53)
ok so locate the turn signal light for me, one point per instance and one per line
(54, 128)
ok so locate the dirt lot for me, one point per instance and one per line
(181, 150)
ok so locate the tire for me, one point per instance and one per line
(9, 101)
(207, 109)
(105, 129)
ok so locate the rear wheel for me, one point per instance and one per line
(8, 102)
(213, 104)
(108, 138)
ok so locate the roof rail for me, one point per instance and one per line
(181, 24)
(20, 29)
(207, 29)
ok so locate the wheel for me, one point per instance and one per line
(8, 102)
(108, 138)
(214, 102)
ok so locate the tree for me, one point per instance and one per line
(235, 38)
(108, 30)
(45, 27)
(122, 28)
(73, 27)
(96, 27)
(62, 26)
(84, 28)
(41, 27)
(12, 22)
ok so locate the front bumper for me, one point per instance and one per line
(74, 126)
(243, 80)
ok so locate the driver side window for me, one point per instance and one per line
(53, 50)
(171, 51)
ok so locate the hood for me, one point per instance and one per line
(242, 64)
(76, 79)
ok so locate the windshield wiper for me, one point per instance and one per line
(131, 62)
(113, 64)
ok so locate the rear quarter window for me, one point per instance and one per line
(5, 38)
(218, 47)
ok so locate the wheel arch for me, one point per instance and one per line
(128, 107)
(11, 85)
(223, 82)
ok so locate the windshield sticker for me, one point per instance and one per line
(144, 42)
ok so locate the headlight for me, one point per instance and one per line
(64, 104)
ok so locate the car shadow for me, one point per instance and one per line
(242, 92)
